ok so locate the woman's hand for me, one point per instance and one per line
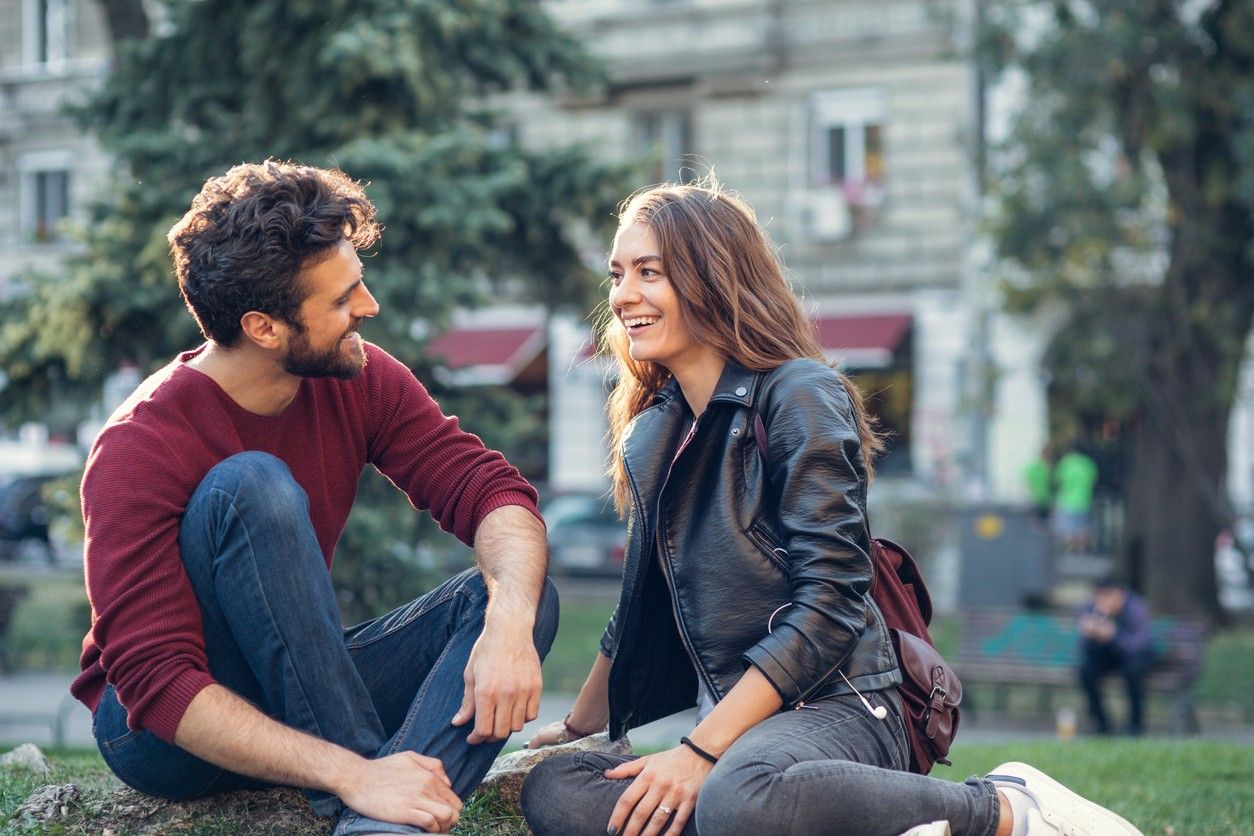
(550, 735)
(663, 795)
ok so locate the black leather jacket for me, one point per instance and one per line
(762, 566)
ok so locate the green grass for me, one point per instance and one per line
(1164, 787)
(578, 638)
(49, 623)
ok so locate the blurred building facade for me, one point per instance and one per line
(51, 52)
(853, 127)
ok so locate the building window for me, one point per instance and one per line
(44, 200)
(847, 143)
(47, 31)
(666, 135)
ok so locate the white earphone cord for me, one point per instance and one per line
(879, 712)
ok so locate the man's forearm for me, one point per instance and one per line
(512, 552)
(226, 730)
(406, 787)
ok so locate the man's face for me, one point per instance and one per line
(1109, 601)
(324, 341)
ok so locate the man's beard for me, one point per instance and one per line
(303, 360)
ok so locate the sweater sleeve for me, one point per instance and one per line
(146, 621)
(426, 454)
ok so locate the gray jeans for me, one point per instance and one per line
(828, 767)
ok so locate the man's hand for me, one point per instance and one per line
(503, 674)
(502, 684)
(406, 788)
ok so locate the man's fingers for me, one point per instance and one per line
(433, 765)
(533, 703)
(442, 816)
(467, 709)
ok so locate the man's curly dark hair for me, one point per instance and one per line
(249, 234)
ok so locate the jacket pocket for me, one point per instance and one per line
(765, 541)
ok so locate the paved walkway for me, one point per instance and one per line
(31, 703)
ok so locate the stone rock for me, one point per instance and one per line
(507, 774)
(49, 803)
(26, 756)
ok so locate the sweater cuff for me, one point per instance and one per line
(163, 714)
(509, 497)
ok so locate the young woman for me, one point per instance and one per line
(746, 577)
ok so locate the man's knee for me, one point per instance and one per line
(261, 482)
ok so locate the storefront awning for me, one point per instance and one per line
(487, 355)
(862, 341)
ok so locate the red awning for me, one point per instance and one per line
(862, 340)
(485, 354)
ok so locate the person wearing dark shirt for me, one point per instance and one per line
(1115, 638)
(213, 500)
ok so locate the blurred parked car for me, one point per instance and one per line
(586, 537)
(24, 519)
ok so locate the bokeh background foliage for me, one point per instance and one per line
(393, 92)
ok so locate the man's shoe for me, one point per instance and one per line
(1058, 810)
(936, 828)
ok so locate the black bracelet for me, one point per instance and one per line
(694, 747)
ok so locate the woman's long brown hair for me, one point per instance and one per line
(733, 297)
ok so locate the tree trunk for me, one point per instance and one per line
(1172, 519)
(126, 18)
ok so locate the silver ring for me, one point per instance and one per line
(665, 809)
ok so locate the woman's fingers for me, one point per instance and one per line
(630, 769)
(682, 813)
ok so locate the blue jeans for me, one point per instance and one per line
(273, 635)
(828, 767)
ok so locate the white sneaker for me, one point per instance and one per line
(1058, 809)
(936, 828)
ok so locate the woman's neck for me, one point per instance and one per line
(698, 379)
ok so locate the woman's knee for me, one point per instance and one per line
(546, 619)
(731, 800)
(549, 793)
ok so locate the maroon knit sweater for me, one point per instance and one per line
(146, 637)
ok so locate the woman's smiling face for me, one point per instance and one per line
(645, 302)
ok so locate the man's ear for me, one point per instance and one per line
(263, 330)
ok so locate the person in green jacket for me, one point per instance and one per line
(1039, 476)
(1075, 476)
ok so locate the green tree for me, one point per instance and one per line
(1125, 191)
(394, 92)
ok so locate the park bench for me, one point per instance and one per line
(1005, 648)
